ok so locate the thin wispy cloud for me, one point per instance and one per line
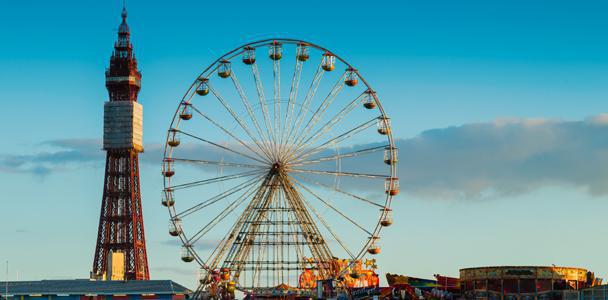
(69, 154)
(472, 161)
(74, 154)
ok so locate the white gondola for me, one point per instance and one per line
(224, 69)
(384, 125)
(187, 255)
(302, 53)
(168, 169)
(175, 227)
(173, 138)
(186, 112)
(249, 55)
(390, 155)
(203, 87)
(328, 62)
(374, 248)
(275, 52)
(369, 101)
(391, 186)
(167, 197)
(351, 77)
(387, 217)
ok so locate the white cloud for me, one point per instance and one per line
(495, 159)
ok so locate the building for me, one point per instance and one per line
(524, 282)
(120, 253)
(85, 289)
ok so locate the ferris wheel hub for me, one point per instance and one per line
(277, 167)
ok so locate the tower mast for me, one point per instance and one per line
(121, 240)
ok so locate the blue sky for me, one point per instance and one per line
(505, 96)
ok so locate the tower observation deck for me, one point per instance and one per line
(120, 252)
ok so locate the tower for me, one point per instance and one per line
(121, 240)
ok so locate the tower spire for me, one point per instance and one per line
(123, 28)
(124, 11)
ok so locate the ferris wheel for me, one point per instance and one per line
(279, 166)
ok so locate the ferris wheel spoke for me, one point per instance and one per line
(276, 74)
(217, 198)
(302, 154)
(293, 96)
(324, 223)
(230, 208)
(333, 188)
(339, 156)
(254, 120)
(303, 110)
(221, 147)
(333, 208)
(318, 114)
(218, 163)
(216, 124)
(330, 124)
(333, 173)
(234, 115)
(215, 180)
(262, 98)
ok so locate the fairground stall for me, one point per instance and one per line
(524, 282)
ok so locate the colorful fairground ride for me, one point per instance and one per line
(282, 186)
(359, 274)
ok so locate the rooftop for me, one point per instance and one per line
(86, 286)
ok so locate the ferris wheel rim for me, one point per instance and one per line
(229, 56)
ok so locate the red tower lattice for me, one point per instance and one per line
(121, 226)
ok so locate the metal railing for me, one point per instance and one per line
(595, 293)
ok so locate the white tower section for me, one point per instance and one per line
(123, 125)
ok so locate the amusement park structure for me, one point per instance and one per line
(274, 195)
(120, 241)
